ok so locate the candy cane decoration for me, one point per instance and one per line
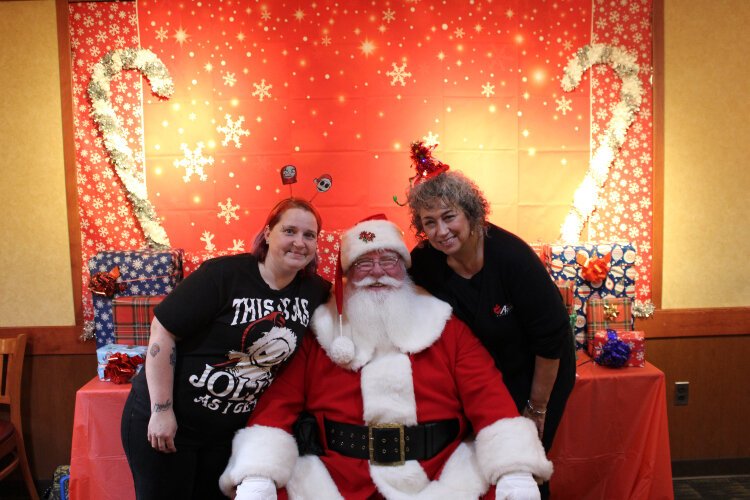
(586, 196)
(115, 142)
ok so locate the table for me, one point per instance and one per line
(613, 441)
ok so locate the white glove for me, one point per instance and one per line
(517, 486)
(256, 488)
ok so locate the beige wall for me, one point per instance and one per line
(706, 154)
(35, 278)
(707, 142)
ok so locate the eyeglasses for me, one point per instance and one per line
(367, 265)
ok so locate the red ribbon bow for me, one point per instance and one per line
(121, 367)
(105, 283)
(596, 269)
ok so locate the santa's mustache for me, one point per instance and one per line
(383, 280)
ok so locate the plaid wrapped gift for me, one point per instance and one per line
(105, 353)
(132, 317)
(141, 272)
(566, 291)
(634, 339)
(609, 313)
(564, 262)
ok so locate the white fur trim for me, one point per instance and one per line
(342, 350)
(311, 481)
(460, 479)
(409, 334)
(511, 445)
(388, 390)
(385, 236)
(259, 451)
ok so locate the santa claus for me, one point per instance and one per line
(408, 403)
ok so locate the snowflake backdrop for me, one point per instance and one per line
(342, 88)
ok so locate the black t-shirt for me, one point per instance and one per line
(234, 332)
(512, 306)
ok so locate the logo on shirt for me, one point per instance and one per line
(501, 311)
(235, 385)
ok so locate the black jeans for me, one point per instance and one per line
(192, 472)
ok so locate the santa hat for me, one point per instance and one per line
(372, 234)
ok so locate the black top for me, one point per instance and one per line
(512, 305)
(234, 333)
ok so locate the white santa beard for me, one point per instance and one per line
(377, 315)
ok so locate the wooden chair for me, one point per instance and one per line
(11, 431)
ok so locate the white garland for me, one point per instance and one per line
(115, 142)
(624, 64)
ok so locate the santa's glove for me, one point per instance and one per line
(517, 486)
(256, 488)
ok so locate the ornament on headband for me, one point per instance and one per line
(426, 166)
(322, 184)
(424, 163)
(289, 176)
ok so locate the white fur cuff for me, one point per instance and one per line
(259, 451)
(511, 445)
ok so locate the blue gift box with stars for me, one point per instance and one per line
(141, 272)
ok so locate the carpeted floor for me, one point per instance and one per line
(685, 488)
(712, 487)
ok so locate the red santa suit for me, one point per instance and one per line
(425, 367)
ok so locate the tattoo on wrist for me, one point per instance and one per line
(173, 356)
(162, 406)
(154, 349)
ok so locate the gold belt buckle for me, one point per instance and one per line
(373, 446)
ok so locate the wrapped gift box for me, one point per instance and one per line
(609, 313)
(566, 291)
(132, 318)
(119, 363)
(139, 272)
(634, 339)
(540, 249)
(570, 262)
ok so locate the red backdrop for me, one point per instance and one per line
(342, 88)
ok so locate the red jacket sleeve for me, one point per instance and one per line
(282, 403)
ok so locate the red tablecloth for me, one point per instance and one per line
(613, 442)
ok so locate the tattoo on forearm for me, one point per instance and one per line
(173, 356)
(155, 350)
(162, 406)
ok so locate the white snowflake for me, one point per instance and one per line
(193, 162)
(389, 16)
(262, 90)
(488, 90)
(326, 40)
(458, 33)
(228, 211)
(232, 131)
(207, 239)
(398, 75)
(563, 105)
(162, 34)
(229, 79)
(237, 246)
(430, 139)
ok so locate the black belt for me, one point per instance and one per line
(391, 444)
